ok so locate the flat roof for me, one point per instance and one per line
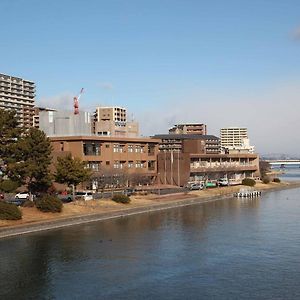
(185, 137)
(104, 138)
(20, 78)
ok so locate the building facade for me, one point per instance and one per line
(235, 139)
(111, 155)
(19, 95)
(192, 158)
(189, 128)
(182, 168)
(112, 121)
(36, 116)
(64, 123)
(188, 143)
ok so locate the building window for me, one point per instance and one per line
(116, 164)
(94, 165)
(130, 164)
(118, 148)
(139, 149)
(130, 148)
(138, 165)
(91, 149)
(107, 163)
(107, 146)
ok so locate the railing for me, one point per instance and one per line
(223, 168)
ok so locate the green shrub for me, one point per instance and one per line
(277, 180)
(8, 186)
(248, 182)
(28, 203)
(9, 211)
(266, 180)
(48, 203)
(120, 198)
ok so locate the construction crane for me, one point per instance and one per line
(76, 102)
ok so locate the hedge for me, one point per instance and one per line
(248, 182)
(9, 211)
(49, 203)
(266, 180)
(277, 180)
(120, 198)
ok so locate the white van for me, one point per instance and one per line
(84, 195)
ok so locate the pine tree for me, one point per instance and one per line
(33, 159)
(10, 134)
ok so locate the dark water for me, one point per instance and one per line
(233, 249)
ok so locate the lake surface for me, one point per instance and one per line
(229, 249)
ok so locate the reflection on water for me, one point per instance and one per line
(228, 249)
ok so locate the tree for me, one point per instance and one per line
(33, 159)
(71, 171)
(264, 168)
(10, 134)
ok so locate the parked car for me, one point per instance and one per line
(210, 184)
(22, 195)
(65, 198)
(1, 196)
(223, 182)
(16, 201)
(196, 186)
(129, 191)
(84, 195)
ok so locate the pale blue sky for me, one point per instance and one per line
(181, 57)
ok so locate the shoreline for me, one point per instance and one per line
(27, 228)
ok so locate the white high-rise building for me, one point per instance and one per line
(18, 94)
(235, 139)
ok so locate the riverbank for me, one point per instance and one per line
(83, 212)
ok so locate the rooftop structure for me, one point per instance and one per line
(65, 123)
(112, 121)
(189, 128)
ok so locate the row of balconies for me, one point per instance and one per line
(223, 168)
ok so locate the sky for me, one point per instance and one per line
(224, 63)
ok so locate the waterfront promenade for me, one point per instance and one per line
(84, 212)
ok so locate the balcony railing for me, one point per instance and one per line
(223, 168)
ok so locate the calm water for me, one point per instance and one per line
(233, 249)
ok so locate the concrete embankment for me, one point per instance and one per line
(9, 231)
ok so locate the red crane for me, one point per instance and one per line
(76, 102)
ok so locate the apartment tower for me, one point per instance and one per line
(235, 139)
(18, 94)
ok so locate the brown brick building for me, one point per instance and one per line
(113, 155)
(191, 158)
